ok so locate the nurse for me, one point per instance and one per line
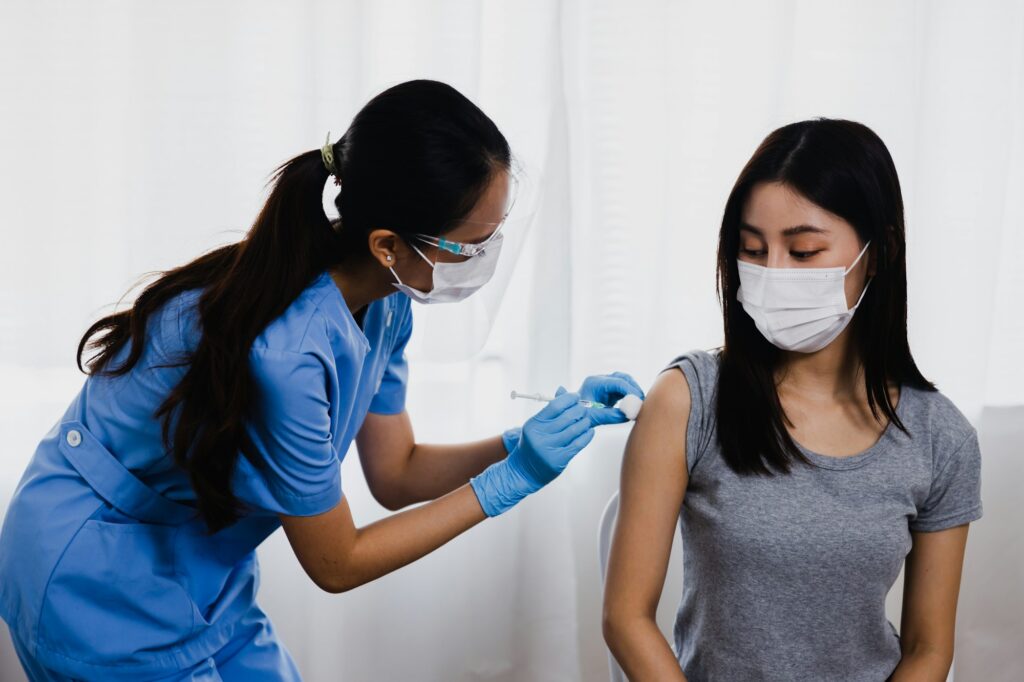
(219, 406)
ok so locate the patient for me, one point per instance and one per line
(808, 457)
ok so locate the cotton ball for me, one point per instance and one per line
(630, 406)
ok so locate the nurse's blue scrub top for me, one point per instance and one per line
(105, 571)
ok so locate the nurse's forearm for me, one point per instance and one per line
(400, 472)
(402, 538)
(434, 470)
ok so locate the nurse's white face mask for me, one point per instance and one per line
(797, 309)
(455, 281)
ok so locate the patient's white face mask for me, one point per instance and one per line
(797, 309)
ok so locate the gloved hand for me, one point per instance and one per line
(605, 389)
(549, 440)
(609, 389)
(510, 439)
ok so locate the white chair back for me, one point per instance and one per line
(604, 545)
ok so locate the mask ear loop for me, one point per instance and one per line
(395, 274)
(866, 284)
(857, 259)
(429, 262)
(863, 291)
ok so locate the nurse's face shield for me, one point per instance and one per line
(468, 250)
(457, 332)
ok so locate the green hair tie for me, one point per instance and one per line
(327, 154)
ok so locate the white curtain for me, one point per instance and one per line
(136, 135)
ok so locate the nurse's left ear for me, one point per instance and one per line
(384, 247)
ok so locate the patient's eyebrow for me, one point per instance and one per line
(788, 232)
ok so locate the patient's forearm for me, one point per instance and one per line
(927, 666)
(641, 650)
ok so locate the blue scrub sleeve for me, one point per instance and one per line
(291, 428)
(390, 397)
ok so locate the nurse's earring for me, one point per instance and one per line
(389, 258)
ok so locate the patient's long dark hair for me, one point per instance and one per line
(415, 159)
(845, 168)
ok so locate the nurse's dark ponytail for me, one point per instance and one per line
(415, 159)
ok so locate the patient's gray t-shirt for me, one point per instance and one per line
(785, 577)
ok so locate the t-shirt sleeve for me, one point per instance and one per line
(700, 369)
(955, 494)
(300, 474)
(390, 397)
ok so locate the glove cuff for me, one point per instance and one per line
(500, 487)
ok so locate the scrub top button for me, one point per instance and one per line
(74, 438)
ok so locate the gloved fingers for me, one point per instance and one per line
(570, 442)
(607, 389)
(622, 375)
(550, 445)
(564, 402)
(572, 431)
(560, 391)
(608, 415)
(574, 413)
(582, 441)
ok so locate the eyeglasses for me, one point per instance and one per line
(461, 248)
(470, 250)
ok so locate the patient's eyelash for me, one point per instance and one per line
(800, 255)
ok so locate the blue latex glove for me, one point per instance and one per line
(609, 389)
(549, 440)
(510, 439)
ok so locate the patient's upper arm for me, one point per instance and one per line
(653, 483)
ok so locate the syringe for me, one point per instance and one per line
(548, 399)
(629, 405)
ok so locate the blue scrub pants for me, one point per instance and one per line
(254, 654)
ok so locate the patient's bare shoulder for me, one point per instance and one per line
(668, 401)
(656, 450)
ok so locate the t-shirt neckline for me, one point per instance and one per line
(890, 432)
